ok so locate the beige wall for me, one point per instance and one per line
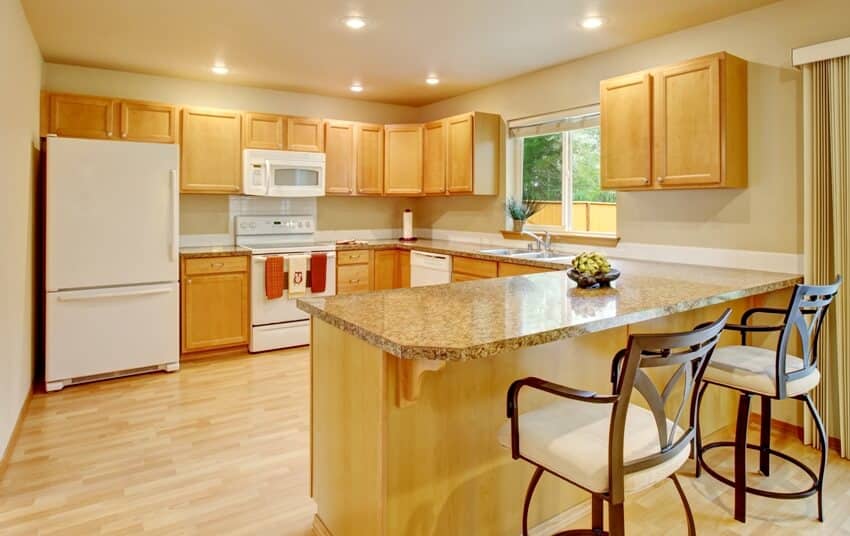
(767, 216)
(209, 214)
(20, 78)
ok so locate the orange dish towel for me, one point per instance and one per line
(274, 277)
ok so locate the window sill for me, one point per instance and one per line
(588, 239)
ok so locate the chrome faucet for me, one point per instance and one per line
(543, 243)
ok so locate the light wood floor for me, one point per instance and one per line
(222, 448)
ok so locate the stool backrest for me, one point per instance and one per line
(804, 318)
(688, 353)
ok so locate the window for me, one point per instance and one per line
(558, 167)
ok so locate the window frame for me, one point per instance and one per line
(515, 186)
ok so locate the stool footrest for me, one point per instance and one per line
(758, 491)
(582, 532)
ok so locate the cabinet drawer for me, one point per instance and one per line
(360, 256)
(216, 265)
(476, 267)
(352, 278)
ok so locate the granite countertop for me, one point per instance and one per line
(213, 251)
(477, 319)
(464, 249)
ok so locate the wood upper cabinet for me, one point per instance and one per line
(262, 131)
(210, 156)
(626, 131)
(700, 133)
(678, 126)
(305, 134)
(150, 122)
(403, 159)
(339, 159)
(434, 157)
(460, 149)
(369, 158)
(79, 116)
(214, 303)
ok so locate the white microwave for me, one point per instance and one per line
(283, 173)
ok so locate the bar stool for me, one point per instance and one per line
(771, 375)
(605, 444)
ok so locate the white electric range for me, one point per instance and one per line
(278, 323)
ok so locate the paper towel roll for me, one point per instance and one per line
(407, 224)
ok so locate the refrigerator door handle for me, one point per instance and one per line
(175, 214)
(98, 295)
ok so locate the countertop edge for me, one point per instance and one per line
(495, 347)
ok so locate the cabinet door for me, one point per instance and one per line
(339, 159)
(403, 269)
(305, 134)
(211, 151)
(687, 123)
(144, 121)
(215, 311)
(403, 159)
(434, 158)
(78, 116)
(262, 131)
(385, 269)
(626, 119)
(459, 148)
(370, 159)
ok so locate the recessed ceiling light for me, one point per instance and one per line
(220, 69)
(432, 80)
(356, 87)
(355, 23)
(592, 23)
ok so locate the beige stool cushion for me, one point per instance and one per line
(570, 438)
(754, 369)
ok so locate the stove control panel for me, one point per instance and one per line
(274, 225)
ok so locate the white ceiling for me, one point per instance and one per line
(302, 45)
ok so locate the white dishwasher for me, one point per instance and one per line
(429, 269)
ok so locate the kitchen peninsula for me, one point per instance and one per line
(408, 386)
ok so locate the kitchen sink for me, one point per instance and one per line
(504, 252)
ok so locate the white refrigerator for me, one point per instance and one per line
(112, 258)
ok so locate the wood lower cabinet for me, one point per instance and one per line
(148, 122)
(262, 131)
(471, 267)
(79, 116)
(404, 268)
(353, 271)
(677, 126)
(507, 269)
(385, 272)
(339, 157)
(214, 299)
(305, 134)
(369, 158)
(403, 159)
(211, 156)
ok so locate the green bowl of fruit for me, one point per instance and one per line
(592, 270)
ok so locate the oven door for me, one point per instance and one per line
(295, 179)
(265, 311)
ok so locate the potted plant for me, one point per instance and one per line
(520, 211)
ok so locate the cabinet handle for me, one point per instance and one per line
(646, 181)
(353, 280)
(660, 180)
(188, 281)
(354, 256)
(216, 265)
